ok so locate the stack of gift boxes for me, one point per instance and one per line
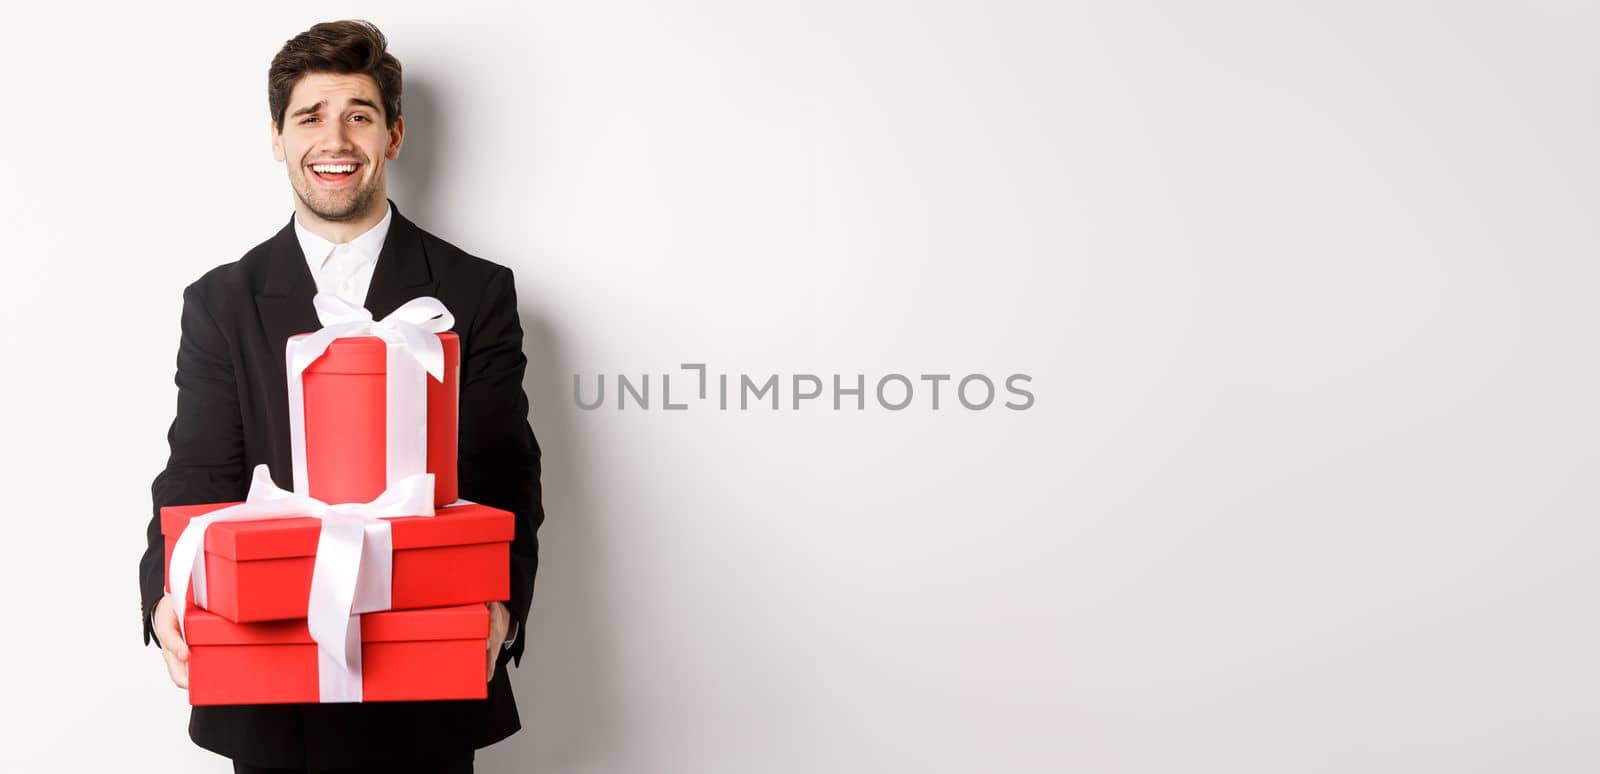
(369, 581)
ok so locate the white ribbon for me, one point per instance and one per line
(413, 353)
(353, 572)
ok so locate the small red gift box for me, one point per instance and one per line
(406, 655)
(261, 570)
(345, 403)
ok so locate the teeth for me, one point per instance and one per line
(333, 168)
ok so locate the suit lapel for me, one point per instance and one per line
(284, 305)
(285, 297)
(402, 272)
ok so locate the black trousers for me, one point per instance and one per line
(461, 765)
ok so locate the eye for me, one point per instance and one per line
(360, 117)
(308, 119)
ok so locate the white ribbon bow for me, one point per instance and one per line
(353, 573)
(413, 353)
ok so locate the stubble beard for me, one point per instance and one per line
(336, 206)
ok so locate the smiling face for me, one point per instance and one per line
(335, 144)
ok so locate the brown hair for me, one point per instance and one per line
(343, 47)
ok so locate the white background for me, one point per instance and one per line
(1306, 291)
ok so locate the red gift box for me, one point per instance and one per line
(261, 570)
(345, 429)
(406, 655)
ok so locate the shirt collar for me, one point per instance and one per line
(366, 246)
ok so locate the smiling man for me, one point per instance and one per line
(334, 96)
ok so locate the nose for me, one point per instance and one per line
(337, 138)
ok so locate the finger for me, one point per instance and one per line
(171, 639)
(164, 620)
(177, 670)
(491, 666)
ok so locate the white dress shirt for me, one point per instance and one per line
(345, 270)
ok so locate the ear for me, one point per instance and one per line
(397, 136)
(277, 142)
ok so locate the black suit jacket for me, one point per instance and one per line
(233, 413)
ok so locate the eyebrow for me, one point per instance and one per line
(315, 106)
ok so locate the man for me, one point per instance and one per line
(334, 95)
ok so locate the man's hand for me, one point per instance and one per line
(164, 621)
(499, 624)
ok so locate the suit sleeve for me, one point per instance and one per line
(499, 456)
(206, 439)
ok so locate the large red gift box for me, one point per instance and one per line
(345, 399)
(261, 570)
(406, 655)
